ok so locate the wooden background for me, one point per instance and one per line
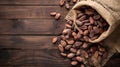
(26, 31)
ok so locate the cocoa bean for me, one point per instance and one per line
(53, 13)
(68, 26)
(79, 23)
(80, 59)
(54, 40)
(63, 43)
(85, 32)
(57, 16)
(73, 50)
(78, 52)
(60, 47)
(74, 63)
(62, 2)
(65, 31)
(96, 17)
(96, 54)
(67, 6)
(82, 65)
(82, 18)
(68, 47)
(70, 41)
(70, 55)
(63, 54)
(91, 20)
(85, 45)
(74, 1)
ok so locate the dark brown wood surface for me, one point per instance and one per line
(26, 31)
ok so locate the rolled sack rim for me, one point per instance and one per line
(103, 12)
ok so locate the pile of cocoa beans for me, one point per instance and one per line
(74, 44)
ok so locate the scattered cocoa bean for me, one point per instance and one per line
(60, 47)
(62, 2)
(53, 13)
(74, 63)
(70, 55)
(57, 16)
(67, 6)
(63, 54)
(54, 40)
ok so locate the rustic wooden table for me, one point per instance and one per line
(26, 31)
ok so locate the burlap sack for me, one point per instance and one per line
(110, 11)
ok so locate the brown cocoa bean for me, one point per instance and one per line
(69, 22)
(82, 18)
(74, 34)
(74, 63)
(91, 20)
(96, 17)
(78, 43)
(73, 50)
(96, 54)
(85, 45)
(54, 40)
(80, 31)
(57, 16)
(79, 23)
(68, 26)
(100, 24)
(83, 27)
(84, 54)
(90, 28)
(78, 35)
(68, 47)
(92, 33)
(53, 13)
(80, 59)
(89, 11)
(63, 54)
(96, 29)
(70, 55)
(78, 52)
(65, 31)
(63, 43)
(62, 2)
(60, 47)
(67, 6)
(85, 32)
(70, 41)
(79, 14)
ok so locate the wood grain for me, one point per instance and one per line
(30, 2)
(31, 26)
(26, 42)
(14, 12)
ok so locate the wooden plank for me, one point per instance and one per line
(12, 12)
(30, 2)
(26, 42)
(31, 26)
(41, 58)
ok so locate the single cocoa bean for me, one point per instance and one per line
(78, 35)
(62, 2)
(65, 31)
(70, 41)
(57, 16)
(60, 47)
(83, 27)
(91, 20)
(90, 28)
(63, 43)
(69, 22)
(78, 43)
(92, 33)
(54, 40)
(53, 13)
(79, 14)
(70, 55)
(73, 50)
(96, 54)
(82, 18)
(85, 32)
(80, 59)
(68, 26)
(74, 34)
(78, 52)
(74, 63)
(96, 17)
(63, 54)
(67, 6)
(68, 47)
(85, 45)
(96, 29)
(102, 49)
(79, 23)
